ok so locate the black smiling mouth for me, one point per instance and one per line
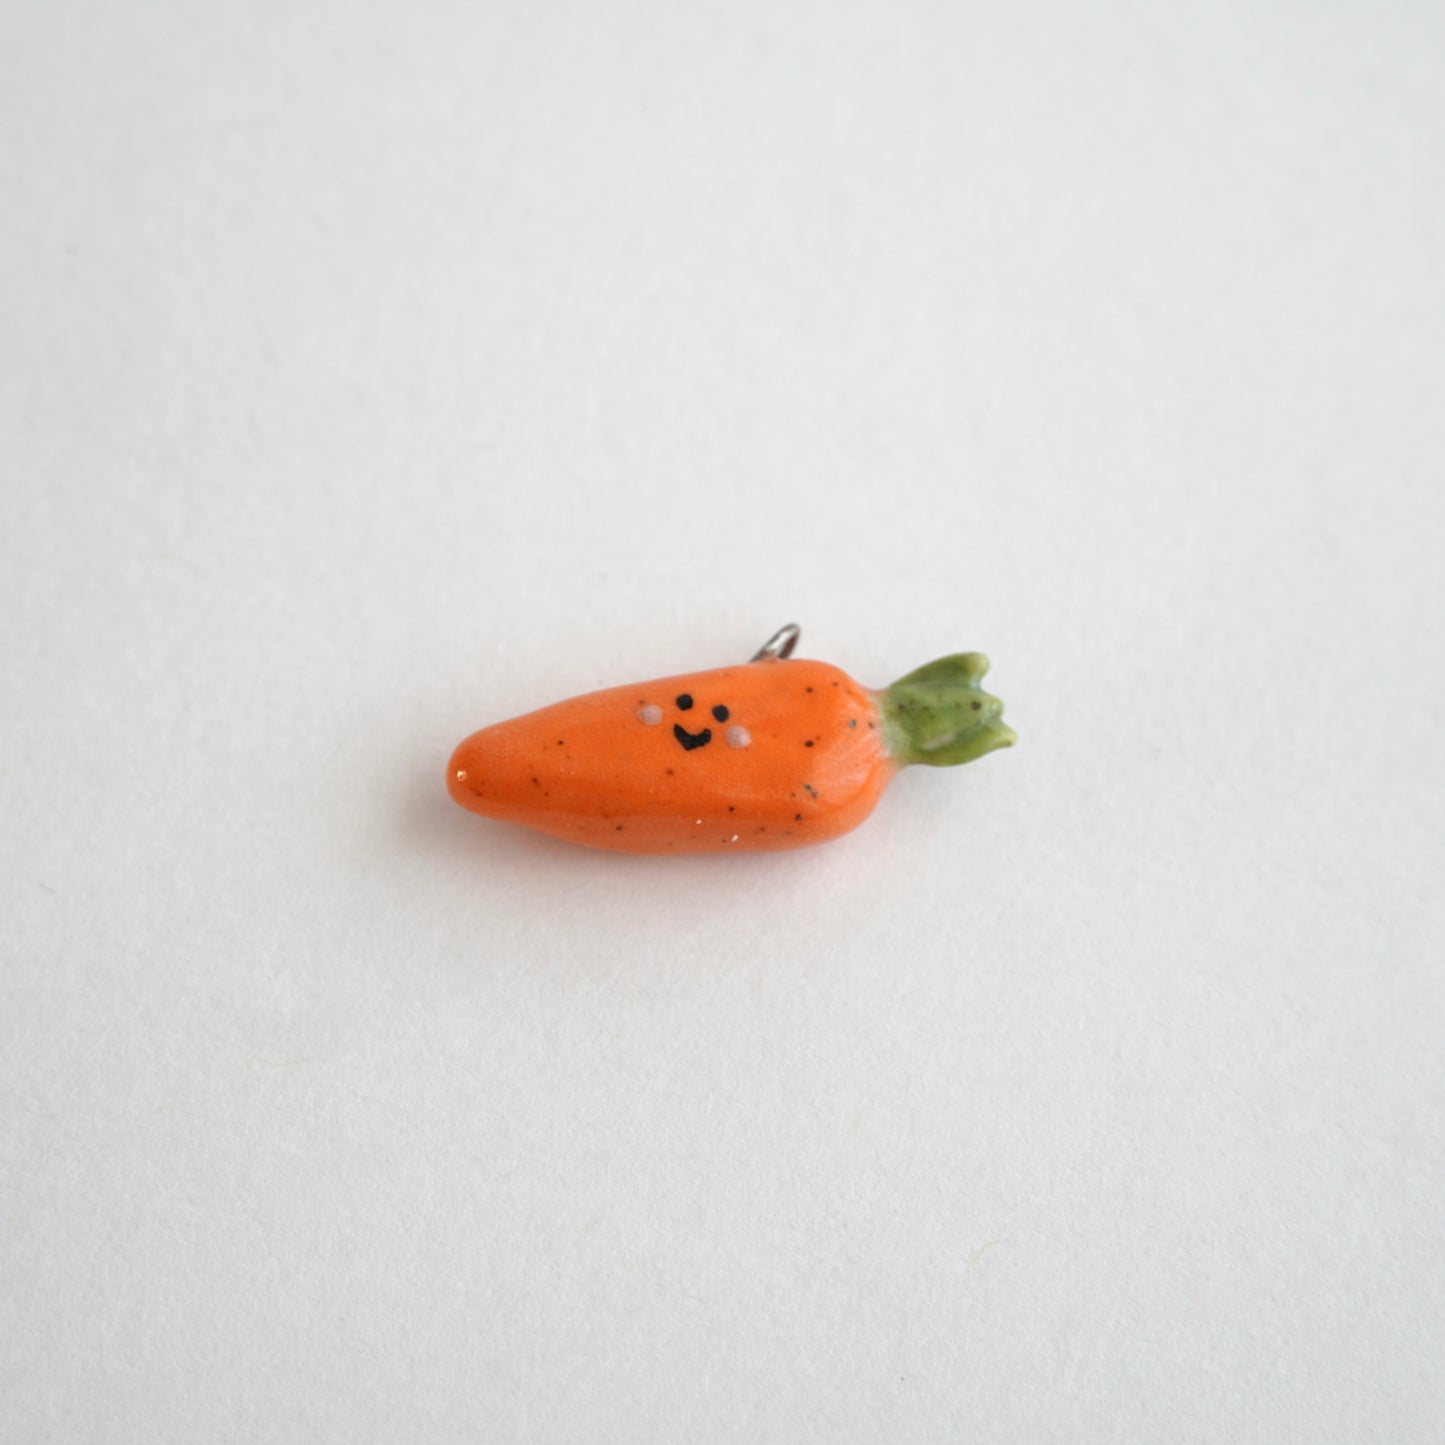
(691, 740)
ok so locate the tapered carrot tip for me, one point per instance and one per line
(771, 754)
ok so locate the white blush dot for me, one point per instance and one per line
(461, 775)
(737, 737)
(651, 714)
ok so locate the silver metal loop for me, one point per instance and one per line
(779, 645)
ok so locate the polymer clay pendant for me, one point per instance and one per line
(775, 753)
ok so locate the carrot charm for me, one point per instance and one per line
(774, 753)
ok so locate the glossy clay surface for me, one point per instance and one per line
(794, 754)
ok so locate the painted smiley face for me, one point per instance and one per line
(700, 739)
(735, 736)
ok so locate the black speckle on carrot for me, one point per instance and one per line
(809, 743)
(797, 817)
(852, 722)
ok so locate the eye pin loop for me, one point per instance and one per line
(779, 645)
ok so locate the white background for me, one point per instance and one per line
(368, 374)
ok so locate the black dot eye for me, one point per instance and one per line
(720, 713)
(684, 700)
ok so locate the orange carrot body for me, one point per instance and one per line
(766, 755)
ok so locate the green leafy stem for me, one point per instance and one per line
(940, 716)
